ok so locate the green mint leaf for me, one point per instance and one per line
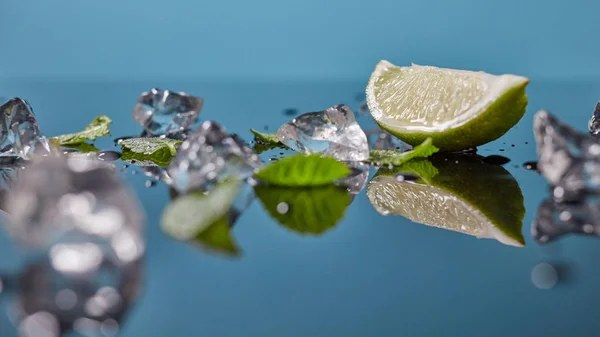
(83, 147)
(303, 170)
(387, 157)
(305, 210)
(265, 141)
(158, 150)
(203, 217)
(97, 128)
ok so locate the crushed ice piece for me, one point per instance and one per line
(20, 135)
(165, 112)
(209, 155)
(568, 159)
(554, 220)
(333, 132)
(594, 123)
(76, 201)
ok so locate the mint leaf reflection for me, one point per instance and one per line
(204, 218)
(305, 210)
(457, 193)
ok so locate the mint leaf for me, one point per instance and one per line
(97, 128)
(158, 150)
(305, 210)
(83, 147)
(265, 141)
(387, 157)
(203, 217)
(218, 237)
(303, 170)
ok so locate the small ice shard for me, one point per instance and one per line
(568, 159)
(165, 112)
(20, 134)
(594, 123)
(554, 219)
(73, 202)
(333, 132)
(209, 155)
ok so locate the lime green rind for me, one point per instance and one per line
(497, 119)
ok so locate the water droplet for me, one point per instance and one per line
(109, 155)
(512, 145)
(150, 183)
(526, 142)
(282, 207)
(496, 160)
(544, 276)
(266, 128)
(120, 139)
(290, 112)
(134, 172)
(501, 150)
(530, 165)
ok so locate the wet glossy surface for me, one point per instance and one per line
(370, 275)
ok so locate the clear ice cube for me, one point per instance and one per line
(332, 132)
(20, 135)
(166, 112)
(75, 201)
(209, 155)
(594, 123)
(356, 181)
(568, 159)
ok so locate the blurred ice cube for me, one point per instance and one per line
(594, 123)
(209, 155)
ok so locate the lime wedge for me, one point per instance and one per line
(458, 109)
(467, 196)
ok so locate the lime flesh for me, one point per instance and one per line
(458, 109)
(469, 197)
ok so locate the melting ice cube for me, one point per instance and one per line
(594, 123)
(209, 155)
(165, 112)
(333, 132)
(61, 200)
(357, 180)
(20, 135)
(568, 159)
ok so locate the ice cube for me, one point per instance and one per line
(554, 219)
(333, 132)
(382, 140)
(54, 303)
(165, 112)
(356, 181)
(568, 159)
(75, 201)
(594, 123)
(20, 135)
(209, 155)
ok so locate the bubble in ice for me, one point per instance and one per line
(77, 209)
(164, 112)
(332, 132)
(20, 135)
(209, 155)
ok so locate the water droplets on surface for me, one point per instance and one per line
(544, 276)
(282, 208)
(496, 160)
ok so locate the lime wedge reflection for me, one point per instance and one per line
(458, 193)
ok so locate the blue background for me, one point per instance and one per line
(298, 39)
